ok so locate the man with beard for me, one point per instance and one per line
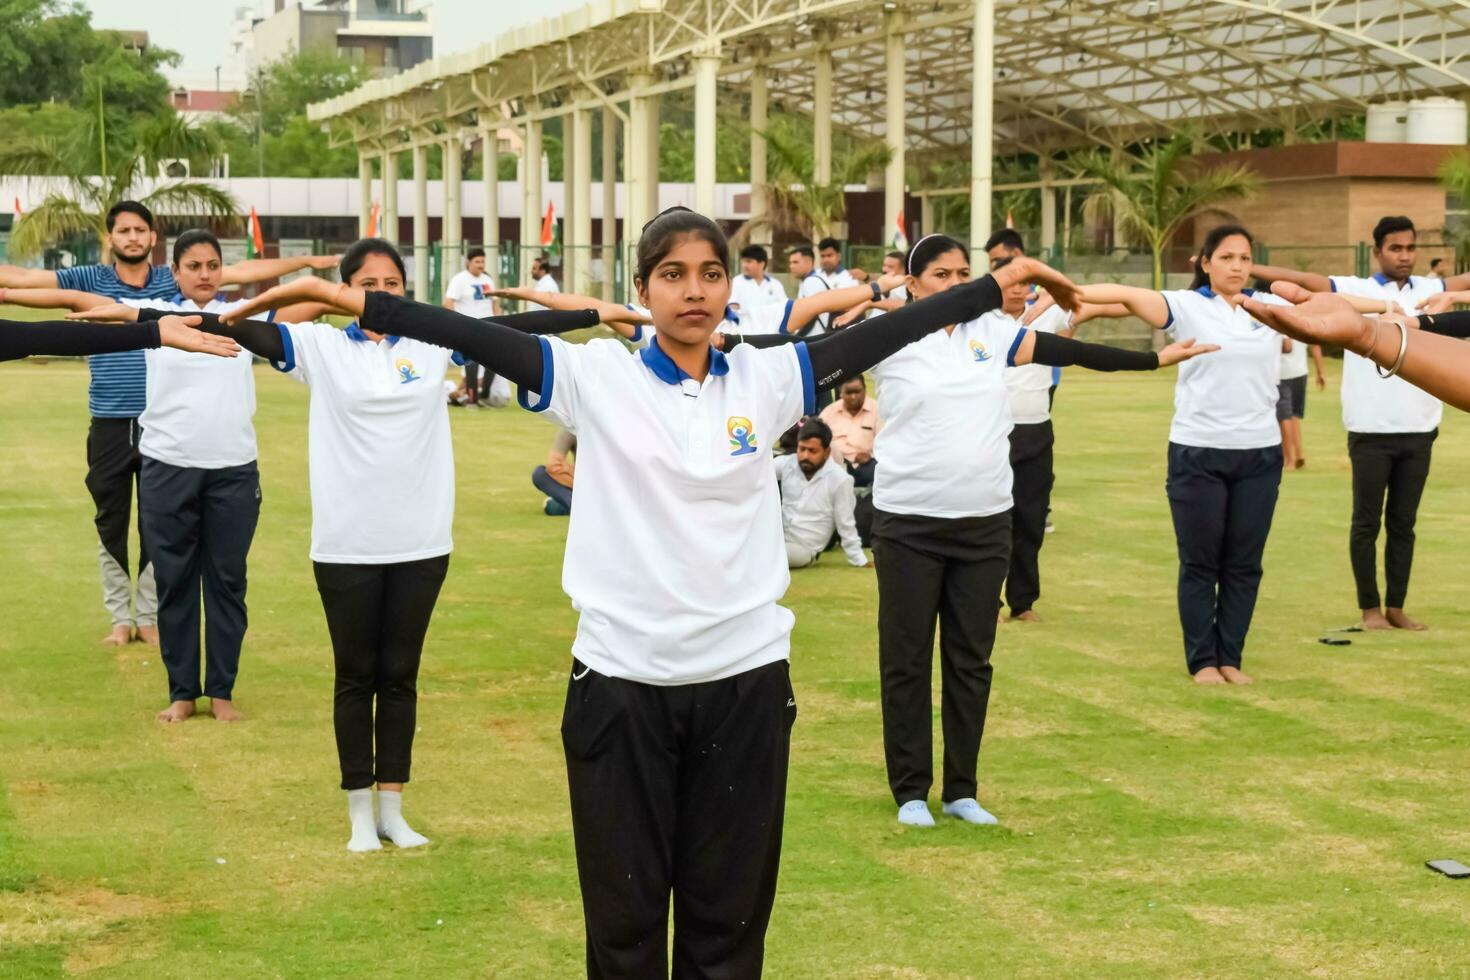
(117, 396)
(816, 499)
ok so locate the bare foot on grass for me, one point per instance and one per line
(1399, 621)
(1208, 675)
(1233, 675)
(121, 636)
(224, 711)
(1373, 619)
(148, 635)
(175, 713)
(1029, 616)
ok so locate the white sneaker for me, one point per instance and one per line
(915, 813)
(969, 811)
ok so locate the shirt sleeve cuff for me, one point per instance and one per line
(288, 363)
(548, 379)
(808, 381)
(1015, 346)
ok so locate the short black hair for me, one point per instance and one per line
(1391, 225)
(929, 248)
(815, 428)
(861, 379)
(804, 250)
(192, 237)
(829, 242)
(1435, 263)
(900, 256)
(474, 253)
(357, 253)
(755, 253)
(1008, 237)
(130, 207)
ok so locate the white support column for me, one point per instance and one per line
(759, 121)
(421, 223)
(706, 74)
(570, 244)
(894, 135)
(926, 215)
(364, 193)
(453, 209)
(1048, 204)
(1067, 219)
(490, 235)
(822, 114)
(609, 202)
(635, 146)
(531, 211)
(982, 138)
(581, 196)
(389, 230)
(653, 109)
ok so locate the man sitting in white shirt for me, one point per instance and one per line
(753, 289)
(816, 499)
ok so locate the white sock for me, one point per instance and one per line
(391, 823)
(364, 829)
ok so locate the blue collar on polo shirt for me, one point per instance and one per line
(1209, 293)
(354, 332)
(1383, 280)
(664, 368)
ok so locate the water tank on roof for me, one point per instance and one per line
(1439, 120)
(1388, 122)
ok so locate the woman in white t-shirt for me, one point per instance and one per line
(1224, 447)
(942, 500)
(382, 493)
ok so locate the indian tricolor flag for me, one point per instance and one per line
(18, 212)
(900, 237)
(254, 240)
(372, 229)
(549, 229)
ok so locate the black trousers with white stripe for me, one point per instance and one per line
(1222, 501)
(947, 571)
(678, 790)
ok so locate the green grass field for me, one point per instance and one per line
(1148, 827)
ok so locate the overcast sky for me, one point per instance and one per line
(198, 29)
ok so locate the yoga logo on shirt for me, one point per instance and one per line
(742, 435)
(480, 293)
(405, 370)
(978, 349)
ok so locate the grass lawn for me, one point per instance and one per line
(1148, 827)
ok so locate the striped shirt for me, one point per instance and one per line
(119, 388)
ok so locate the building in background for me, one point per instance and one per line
(387, 36)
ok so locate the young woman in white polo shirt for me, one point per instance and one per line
(382, 493)
(1391, 424)
(1224, 448)
(679, 701)
(942, 500)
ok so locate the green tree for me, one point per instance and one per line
(800, 205)
(268, 132)
(95, 179)
(1158, 189)
(1454, 173)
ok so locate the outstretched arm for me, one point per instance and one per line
(625, 321)
(63, 338)
(258, 270)
(53, 299)
(1445, 301)
(1055, 351)
(808, 308)
(1146, 304)
(1457, 283)
(1313, 281)
(15, 276)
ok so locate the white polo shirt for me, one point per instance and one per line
(382, 465)
(771, 318)
(1227, 399)
(200, 406)
(1029, 385)
(746, 294)
(546, 284)
(947, 423)
(675, 558)
(1374, 404)
(1294, 361)
(812, 509)
(471, 294)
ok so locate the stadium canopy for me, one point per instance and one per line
(1038, 76)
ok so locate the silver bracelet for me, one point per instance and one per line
(1403, 350)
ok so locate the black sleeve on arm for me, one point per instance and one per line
(72, 338)
(545, 321)
(257, 336)
(847, 353)
(1456, 324)
(1054, 351)
(502, 349)
(761, 340)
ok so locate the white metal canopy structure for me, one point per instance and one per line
(994, 77)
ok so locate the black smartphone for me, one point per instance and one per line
(1448, 868)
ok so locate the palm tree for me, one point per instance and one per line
(96, 180)
(1158, 189)
(1454, 173)
(800, 205)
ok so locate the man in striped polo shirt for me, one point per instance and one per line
(117, 396)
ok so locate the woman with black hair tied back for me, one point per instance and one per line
(942, 502)
(1225, 458)
(382, 495)
(679, 700)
